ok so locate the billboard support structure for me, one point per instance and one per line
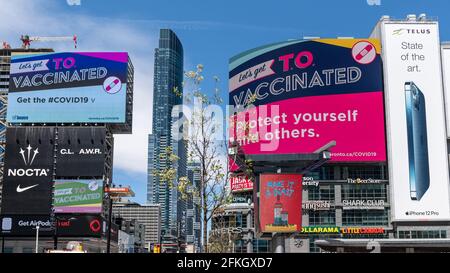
(282, 164)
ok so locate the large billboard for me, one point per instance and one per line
(81, 152)
(416, 132)
(307, 94)
(28, 172)
(78, 196)
(445, 53)
(67, 226)
(87, 87)
(280, 203)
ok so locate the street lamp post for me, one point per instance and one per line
(37, 239)
(108, 240)
(55, 234)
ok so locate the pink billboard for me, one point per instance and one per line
(240, 183)
(304, 95)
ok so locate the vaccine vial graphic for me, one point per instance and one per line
(112, 85)
(277, 210)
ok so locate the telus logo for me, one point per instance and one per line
(28, 156)
(411, 31)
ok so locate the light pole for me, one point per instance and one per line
(108, 238)
(37, 239)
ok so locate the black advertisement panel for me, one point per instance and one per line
(28, 173)
(25, 225)
(68, 226)
(80, 225)
(81, 152)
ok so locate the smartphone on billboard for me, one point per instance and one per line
(419, 171)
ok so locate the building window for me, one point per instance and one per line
(324, 173)
(261, 246)
(322, 218)
(366, 172)
(27, 250)
(364, 192)
(422, 234)
(365, 217)
(8, 250)
(325, 193)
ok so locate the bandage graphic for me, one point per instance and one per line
(364, 52)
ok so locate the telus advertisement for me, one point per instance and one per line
(78, 196)
(280, 203)
(416, 134)
(68, 87)
(445, 53)
(302, 95)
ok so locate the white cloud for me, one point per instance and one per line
(47, 18)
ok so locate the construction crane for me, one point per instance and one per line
(26, 39)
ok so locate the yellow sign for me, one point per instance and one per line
(316, 229)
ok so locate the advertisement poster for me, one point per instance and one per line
(415, 117)
(28, 171)
(81, 152)
(67, 226)
(445, 53)
(240, 183)
(302, 95)
(280, 203)
(68, 87)
(78, 196)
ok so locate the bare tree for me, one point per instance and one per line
(203, 131)
(202, 127)
(221, 239)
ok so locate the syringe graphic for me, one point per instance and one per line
(111, 85)
(364, 52)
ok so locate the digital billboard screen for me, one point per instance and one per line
(415, 118)
(299, 96)
(81, 152)
(280, 203)
(88, 87)
(240, 183)
(78, 196)
(28, 172)
(67, 226)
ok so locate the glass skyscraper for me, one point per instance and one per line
(168, 75)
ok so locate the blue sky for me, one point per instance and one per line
(211, 32)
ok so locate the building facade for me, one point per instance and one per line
(168, 77)
(193, 212)
(131, 236)
(147, 215)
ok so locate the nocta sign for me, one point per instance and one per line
(28, 156)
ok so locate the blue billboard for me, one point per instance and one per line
(82, 87)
